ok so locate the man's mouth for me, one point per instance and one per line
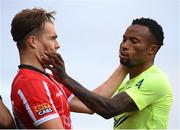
(123, 55)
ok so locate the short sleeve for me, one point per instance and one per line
(69, 94)
(151, 89)
(36, 97)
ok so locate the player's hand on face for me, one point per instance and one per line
(55, 63)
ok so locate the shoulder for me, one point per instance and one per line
(30, 83)
(156, 79)
(154, 82)
(28, 76)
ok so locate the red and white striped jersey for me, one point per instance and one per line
(37, 98)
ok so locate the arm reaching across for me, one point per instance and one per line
(106, 107)
(106, 89)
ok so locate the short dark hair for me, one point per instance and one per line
(155, 29)
(27, 21)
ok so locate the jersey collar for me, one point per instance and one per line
(23, 66)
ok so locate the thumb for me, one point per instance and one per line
(49, 67)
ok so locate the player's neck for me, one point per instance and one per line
(133, 72)
(31, 60)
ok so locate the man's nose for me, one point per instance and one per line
(58, 45)
(125, 45)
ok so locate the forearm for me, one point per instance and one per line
(108, 88)
(95, 102)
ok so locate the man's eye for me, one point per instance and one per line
(134, 41)
(54, 37)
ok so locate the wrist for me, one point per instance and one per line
(64, 79)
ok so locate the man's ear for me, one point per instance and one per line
(32, 41)
(153, 49)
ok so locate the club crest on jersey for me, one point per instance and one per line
(43, 109)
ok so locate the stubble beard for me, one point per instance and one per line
(126, 63)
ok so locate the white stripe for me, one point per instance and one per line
(70, 97)
(49, 95)
(23, 98)
(45, 119)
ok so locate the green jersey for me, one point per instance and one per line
(152, 93)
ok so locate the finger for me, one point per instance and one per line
(60, 59)
(46, 60)
(56, 66)
(49, 67)
(49, 53)
(59, 56)
(50, 58)
(56, 57)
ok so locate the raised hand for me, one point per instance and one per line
(54, 62)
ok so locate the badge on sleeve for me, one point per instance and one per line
(43, 109)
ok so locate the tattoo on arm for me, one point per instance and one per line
(105, 107)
